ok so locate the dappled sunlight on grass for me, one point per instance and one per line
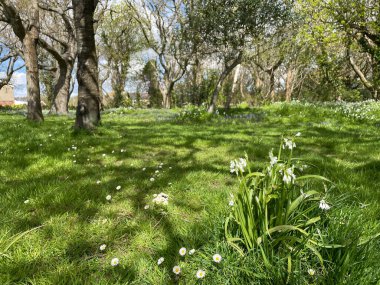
(57, 171)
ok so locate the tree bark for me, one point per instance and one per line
(30, 42)
(290, 74)
(88, 109)
(62, 89)
(231, 94)
(227, 70)
(29, 37)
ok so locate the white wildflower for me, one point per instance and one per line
(238, 165)
(27, 201)
(231, 203)
(151, 179)
(289, 176)
(115, 261)
(177, 269)
(298, 134)
(161, 199)
(146, 207)
(217, 258)
(98, 182)
(191, 251)
(288, 143)
(323, 205)
(118, 187)
(311, 271)
(144, 169)
(108, 197)
(160, 260)
(201, 274)
(273, 159)
(102, 247)
(182, 251)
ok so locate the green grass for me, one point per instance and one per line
(64, 197)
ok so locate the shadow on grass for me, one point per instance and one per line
(73, 190)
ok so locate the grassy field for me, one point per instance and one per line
(58, 179)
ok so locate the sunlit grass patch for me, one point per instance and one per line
(190, 163)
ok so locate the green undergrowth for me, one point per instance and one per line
(55, 183)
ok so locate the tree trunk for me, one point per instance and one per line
(62, 89)
(88, 109)
(227, 70)
(289, 84)
(34, 112)
(212, 108)
(231, 94)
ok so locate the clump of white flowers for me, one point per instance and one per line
(238, 165)
(311, 271)
(288, 143)
(161, 199)
(289, 176)
(102, 247)
(273, 159)
(323, 205)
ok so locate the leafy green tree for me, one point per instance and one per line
(150, 76)
(227, 27)
(120, 38)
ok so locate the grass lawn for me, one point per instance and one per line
(59, 179)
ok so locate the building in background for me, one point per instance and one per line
(7, 97)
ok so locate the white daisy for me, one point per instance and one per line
(146, 207)
(98, 182)
(191, 251)
(118, 187)
(115, 261)
(177, 269)
(201, 274)
(26, 201)
(108, 197)
(298, 134)
(311, 271)
(151, 179)
(182, 251)
(160, 260)
(102, 247)
(144, 169)
(217, 258)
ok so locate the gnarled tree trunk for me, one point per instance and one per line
(88, 109)
(227, 70)
(28, 35)
(62, 89)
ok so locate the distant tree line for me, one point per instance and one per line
(214, 52)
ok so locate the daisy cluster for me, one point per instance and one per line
(200, 273)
